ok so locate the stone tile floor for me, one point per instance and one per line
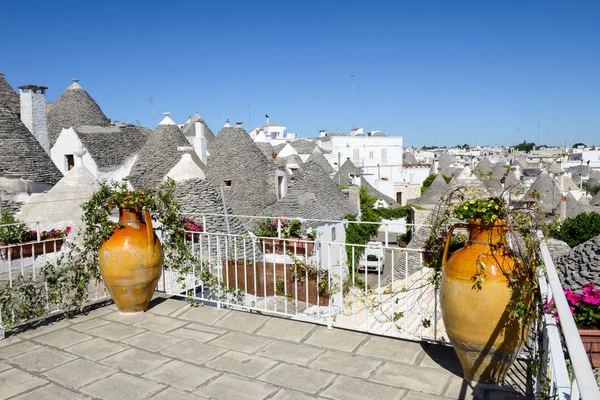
(176, 352)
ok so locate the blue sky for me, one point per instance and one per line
(436, 73)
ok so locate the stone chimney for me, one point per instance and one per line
(199, 142)
(322, 133)
(33, 113)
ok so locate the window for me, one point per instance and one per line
(355, 155)
(384, 155)
(227, 183)
(371, 156)
(399, 198)
(333, 234)
(280, 187)
(69, 161)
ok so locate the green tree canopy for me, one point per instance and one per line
(577, 230)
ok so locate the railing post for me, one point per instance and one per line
(278, 228)
(37, 231)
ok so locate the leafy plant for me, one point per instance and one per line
(12, 229)
(486, 209)
(577, 230)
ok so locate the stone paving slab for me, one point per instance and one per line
(181, 353)
(228, 387)
(298, 378)
(122, 387)
(181, 375)
(355, 389)
(286, 329)
(96, 348)
(15, 381)
(338, 339)
(242, 364)
(135, 361)
(79, 373)
(345, 364)
(51, 392)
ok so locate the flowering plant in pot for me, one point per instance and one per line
(487, 285)
(289, 229)
(191, 227)
(585, 308)
(13, 231)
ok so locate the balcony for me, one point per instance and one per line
(286, 336)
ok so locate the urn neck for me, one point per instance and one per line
(126, 216)
(492, 234)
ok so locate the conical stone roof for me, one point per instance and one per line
(159, 155)
(581, 265)
(8, 97)
(434, 192)
(189, 129)
(343, 178)
(549, 191)
(21, 155)
(237, 164)
(319, 158)
(311, 194)
(74, 107)
(484, 167)
(409, 158)
(266, 148)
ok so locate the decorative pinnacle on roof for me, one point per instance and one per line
(167, 120)
(76, 80)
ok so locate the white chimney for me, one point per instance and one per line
(563, 207)
(33, 113)
(322, 133)
(200, 142)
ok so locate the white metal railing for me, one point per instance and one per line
(581, 384)
(22, 263)
(389, 296)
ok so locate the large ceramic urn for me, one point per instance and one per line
(131, 262)
(485, 337)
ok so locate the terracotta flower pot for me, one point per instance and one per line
(302, 246)
(485, 338)
(28, 249)
(131, 262)
(591, 344)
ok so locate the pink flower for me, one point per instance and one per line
(591, 299)
(572, 297)
(283, 218)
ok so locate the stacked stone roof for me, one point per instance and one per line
(434, 192)
(303, 146)
(311, 194)
(74, 107)
(159, 155)
(266, 148)
(343, 177)
(581, 265)
(320, 159)
(409, 158)
(484, 167)
(189, 129)
(8, 97)
(21, 155)
(549, 191)
(111, 146)
(237, 164)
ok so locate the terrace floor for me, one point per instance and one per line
(177, 352)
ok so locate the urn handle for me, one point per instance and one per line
(149, 231)
(447, 245)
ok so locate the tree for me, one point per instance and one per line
(426, 183)
(526, 147)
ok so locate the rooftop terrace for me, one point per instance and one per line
(177, 352)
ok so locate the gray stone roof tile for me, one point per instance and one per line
(8, 97)
(74, 107)
(159, 155)
(21, 155)
(237, 164)
(189, 129)
(111, 146)
(318, 157)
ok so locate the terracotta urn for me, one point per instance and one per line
(484, 336)
(131, 262)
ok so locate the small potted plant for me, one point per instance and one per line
(585, 308)
(288, 234)
(191, 228)
(18, 242)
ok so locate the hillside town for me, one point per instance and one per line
(55, 155)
